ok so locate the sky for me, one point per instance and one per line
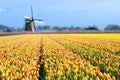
(61, 12)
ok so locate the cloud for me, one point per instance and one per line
(2, 10)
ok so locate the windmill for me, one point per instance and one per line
(30, 22)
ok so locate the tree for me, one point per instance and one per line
(4, 28)
(94, 27)
(46, 27)
(112, 27)
(39, 28)
(64, 28)
(78, 28)
(56, 28)
(71, 28)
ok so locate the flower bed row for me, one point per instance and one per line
(94, 50)
(18, 57)
(61, 64)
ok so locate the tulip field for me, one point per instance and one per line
(60, 57)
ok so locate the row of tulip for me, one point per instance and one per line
(62, 64)
(19, 57)
(103, 53)
(115, 36)
(58, 57)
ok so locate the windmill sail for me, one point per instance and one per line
(32, 13)
(32, 22)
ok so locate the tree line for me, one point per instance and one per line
(66, 28)
(110, 27)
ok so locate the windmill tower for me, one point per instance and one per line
(30, 22)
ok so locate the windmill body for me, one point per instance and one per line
(30, 23)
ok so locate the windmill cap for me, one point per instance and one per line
(27, 17)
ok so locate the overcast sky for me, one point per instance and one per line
(61, 12)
